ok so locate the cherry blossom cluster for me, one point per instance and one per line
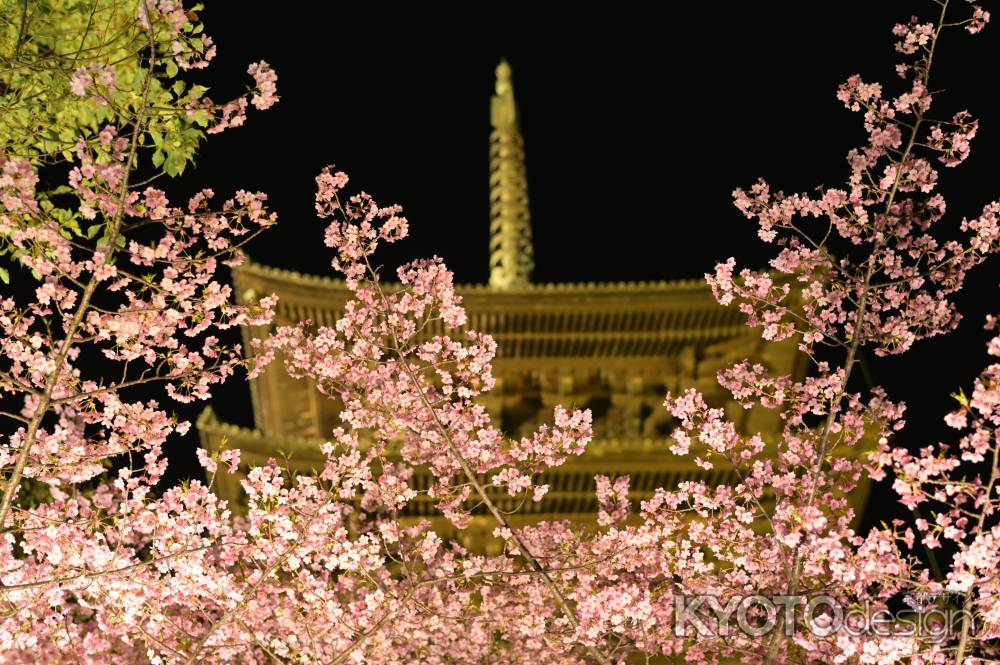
(100, 562)
(97, 558)
(955, 488)
(857, 266)
(172, 26)
(100, 79)
(179, 41)
(869, 246)
(234, 113)
(403, 384)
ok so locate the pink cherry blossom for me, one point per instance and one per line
(102, 562)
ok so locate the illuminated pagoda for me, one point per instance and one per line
(616, 348)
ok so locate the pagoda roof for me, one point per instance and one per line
(622, 320)
(293, 278)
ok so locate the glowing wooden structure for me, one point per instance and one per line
(616, 348)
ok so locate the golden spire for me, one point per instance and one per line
(511, 252)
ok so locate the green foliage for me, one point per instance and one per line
(42, 44)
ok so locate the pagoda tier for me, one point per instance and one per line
(614, 348)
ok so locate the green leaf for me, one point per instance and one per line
(4, 276)
(960, 397)
(175, 163)
(201, 118)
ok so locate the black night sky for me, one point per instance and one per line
(637, 128)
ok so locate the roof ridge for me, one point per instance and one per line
(293, 276)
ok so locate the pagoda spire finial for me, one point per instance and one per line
(511, 251)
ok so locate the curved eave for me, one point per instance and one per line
(621, 319)
(291, 278)
(255, 441)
